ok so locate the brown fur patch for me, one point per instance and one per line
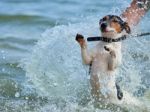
(116, 26)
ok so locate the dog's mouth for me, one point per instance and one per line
(109, 33)
(106, 31)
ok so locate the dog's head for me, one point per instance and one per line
(112, 25)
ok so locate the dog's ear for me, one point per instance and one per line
(127, 28)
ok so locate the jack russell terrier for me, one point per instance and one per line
(104, 58)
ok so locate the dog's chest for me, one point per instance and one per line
(100, 60)
(101, 57)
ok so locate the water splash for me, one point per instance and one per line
(55, 67)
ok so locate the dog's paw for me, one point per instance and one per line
(113, 54)
(110, 50)
(107, 48)
(79, 37)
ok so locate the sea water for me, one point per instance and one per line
(40, 63)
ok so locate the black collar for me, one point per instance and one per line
(105, 39)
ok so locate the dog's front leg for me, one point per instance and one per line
(86, 57)
(112, 61)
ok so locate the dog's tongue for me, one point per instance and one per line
(106, 30)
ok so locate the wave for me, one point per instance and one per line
(55, 61)
(24, 18)
(16, 44)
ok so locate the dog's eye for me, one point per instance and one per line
(105, 18)
(115, 20)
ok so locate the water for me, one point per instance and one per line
(40, 63)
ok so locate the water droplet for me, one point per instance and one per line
(16, 86)
(3, 69)
(55, 84)
(26, 98)
(17, 94)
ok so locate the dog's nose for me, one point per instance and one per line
(103, 26)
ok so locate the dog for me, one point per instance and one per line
(105, 58)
